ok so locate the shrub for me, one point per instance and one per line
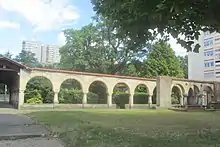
(74, 96)
(92, 98)
(70, 96)
(120, 99)
(141, 98)
(37, 99)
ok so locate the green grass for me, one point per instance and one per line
(133, 128)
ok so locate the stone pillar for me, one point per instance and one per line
(182, 100)
(150, 100)
(84, 99)
(20, 98)
(56, 100)
(109, 96)
(131, 100)
(164, 84)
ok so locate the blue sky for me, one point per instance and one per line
(44, 20)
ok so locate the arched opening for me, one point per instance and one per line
(141, 94)
(154, 96)
(176, 95)
(97, 93)
(190, 97)
(196, 95)
(208, 94)
(70, 92)
(38, 90)
(121, 93)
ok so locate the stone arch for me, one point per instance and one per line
(72, 82)
(123, 87)
(33, 74)
(191, 97)
(141, 94)
(121, 93)
(181, 87)
(71, 78)
(70, 92)
(39, 86)
(176, 94)
(86, 86)
(142, 85)
(98, 93)
(208, 94)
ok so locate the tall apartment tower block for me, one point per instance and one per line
(205, 65)
(45, 54)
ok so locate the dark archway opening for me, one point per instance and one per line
(9, 78)
(70, 92)
(38, 90)
(97, 93)
(175, 95)
(141, 94)
(154, 96)
(190, 97)
(121, 93)
(209, 95)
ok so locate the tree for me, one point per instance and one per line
(39, 85)
(137, 18)
(162, 61)
(8, 55)
(98, 48)
(27, 58)
(184, 65)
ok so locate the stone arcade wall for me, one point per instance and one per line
(163, 86)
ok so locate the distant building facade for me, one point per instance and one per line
(45, 54)
(205, 65)
(34, 47)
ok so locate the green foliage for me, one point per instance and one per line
(43, 86)
(98, 48)
(120, 99)
(136, 128)
(27, 58)
(175, 96)
(92, 98)
(141, 98)
(162, 61)
(34, 98)
(74, 96)
(184, 65)
(70, 96)
(137, 18)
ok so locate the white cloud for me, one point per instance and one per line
(8, 24)
(61, 39)
(42, 14)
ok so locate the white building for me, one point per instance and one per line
(205, 65)
(34, 47)
(53, 55)
(45, 54)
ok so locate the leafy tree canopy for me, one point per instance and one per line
(162, 61)
(98, 48)
(135, 18)
(27, 58)
(184, 65)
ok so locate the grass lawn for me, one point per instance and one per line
(133, 128)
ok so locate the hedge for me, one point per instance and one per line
(76, 96)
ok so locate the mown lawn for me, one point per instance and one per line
(133, 128)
